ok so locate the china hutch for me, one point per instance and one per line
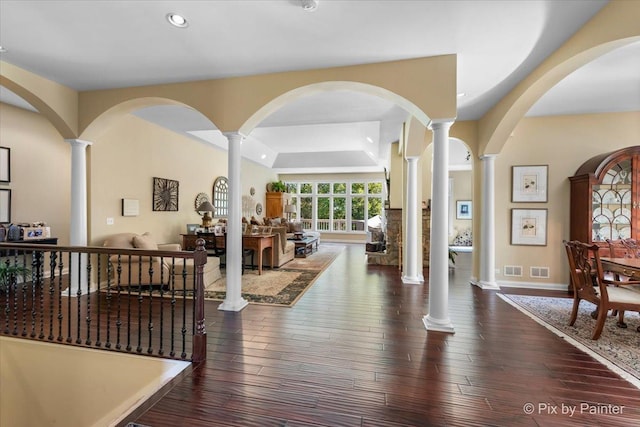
(605, 198)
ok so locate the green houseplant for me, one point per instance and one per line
(278, 187)
(9, 274)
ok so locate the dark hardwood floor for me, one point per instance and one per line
(354, 352)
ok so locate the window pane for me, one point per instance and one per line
(339, 188)
(375, 188)
(306, 212)
(357, 213)
(306, 188)
(292, 188)
(323, 214)
(324, 188)
(339, 214)
(375, 206)
(357, 188)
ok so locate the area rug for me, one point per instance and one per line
(617, 348)
(282, 286)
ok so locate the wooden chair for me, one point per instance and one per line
(581, 281)
(586, 271)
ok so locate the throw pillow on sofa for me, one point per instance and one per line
(145, 241)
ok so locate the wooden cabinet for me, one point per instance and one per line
(275, 204)
(605, 198)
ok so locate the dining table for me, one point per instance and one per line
(629, 267)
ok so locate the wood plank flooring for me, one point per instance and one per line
(354, 352)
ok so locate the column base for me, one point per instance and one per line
(414, 280)
(492, 286)
(438, 325)
(237, 305)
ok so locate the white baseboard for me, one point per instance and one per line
(533, 285)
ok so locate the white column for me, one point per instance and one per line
(413, 273)
(438, 317)
(233, 301)
(78, 225)
(488, 236)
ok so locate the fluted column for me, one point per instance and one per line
(413, 273)
(488, 235)
(438, 317)
(233, 301)
(78, 278)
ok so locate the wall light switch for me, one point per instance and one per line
(109, 221)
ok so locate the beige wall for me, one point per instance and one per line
(40, 170)
(57, 385)
(563, 143)
(462, 190)
(127, 157)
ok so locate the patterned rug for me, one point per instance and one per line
(617, 348)
(282, 286)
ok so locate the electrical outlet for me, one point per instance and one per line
(109, 221)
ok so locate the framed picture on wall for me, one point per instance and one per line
(5, 206)
(529, 227)
(165, 194)
(5, 164)
(463, 209)
(529, 183)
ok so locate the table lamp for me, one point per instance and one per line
(206, 207)
(289, 209)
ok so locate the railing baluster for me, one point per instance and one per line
(52, 289)
(139, 347)
(60, 317)
(94, 317)
(150, 323)
(98, 343)
(88, 318)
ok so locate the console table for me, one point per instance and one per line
(257, 242)
(43, 241)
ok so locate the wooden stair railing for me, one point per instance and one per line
(160, 314)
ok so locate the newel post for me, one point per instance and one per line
(200, 335)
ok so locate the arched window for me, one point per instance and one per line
(221, 197)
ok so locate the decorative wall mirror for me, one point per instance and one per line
(221, 197)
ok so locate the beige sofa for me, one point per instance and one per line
(163, 268)
(284, 250)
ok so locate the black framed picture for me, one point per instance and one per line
(463, 209)
(165, 194)
(5, 164)
(5, 206)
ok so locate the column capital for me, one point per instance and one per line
(234, 136)
(488, 156)
(78, 142)
(440, 124)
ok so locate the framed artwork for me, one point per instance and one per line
(191, 228)
(529, 227)
(165, 194)
(5, 164)
(529, 183)
(463, 209)
(130, 207)
(5, 206)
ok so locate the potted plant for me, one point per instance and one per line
(278, 187)
(9, 274)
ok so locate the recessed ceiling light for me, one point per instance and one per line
(177, 20)
(461, 94)
(3, 49)
(370, 140)
(264, 156)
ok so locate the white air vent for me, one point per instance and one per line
(513, 270)
(539, 272)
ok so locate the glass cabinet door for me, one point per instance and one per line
(612, 204)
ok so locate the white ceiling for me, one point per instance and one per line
(95, 44)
